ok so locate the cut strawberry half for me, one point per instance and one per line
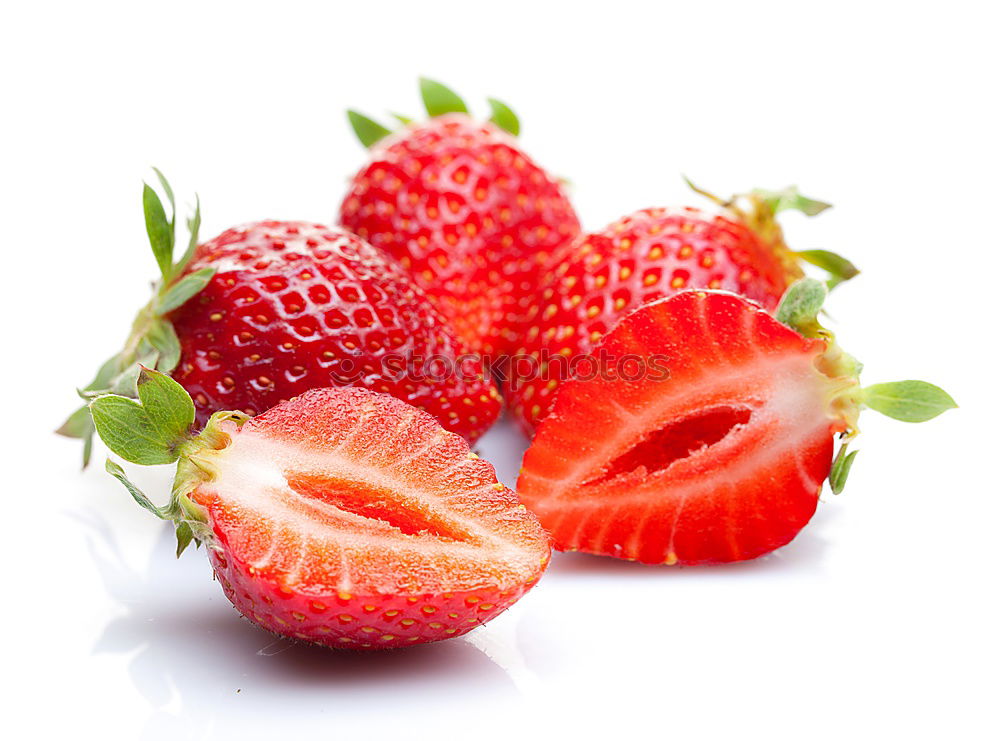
(342, 517)
(714, 445)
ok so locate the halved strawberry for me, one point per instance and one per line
(342, 517)
(708, 432)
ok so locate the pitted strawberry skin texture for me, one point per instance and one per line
(593, 282)
(295, 306)
(469, 215)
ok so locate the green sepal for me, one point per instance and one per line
(161, 235)
(88, 449)
(439, 100)
(105, 374)
(839, 268)
(405, 120)
(153, 341)
(167, 403)
(801, 304)
(368, 131)
(504, 117)
(841, 468)
(163, 338)
(187, 287)
(78, 424)
(790, 199)
(907, 401)
(124, 382)
(119, 473)
(149, 431)
(184, 537)
(170, 197)
(193, 225)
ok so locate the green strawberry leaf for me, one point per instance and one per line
(193, 225)
(161, 237)
(119, 473)
(77, 425)
(504, 117)
(105, 374)
(124, 383)
(801, 304)
(839, 268)
(153, 342)
(405, 120)
(180, 291)
(170, 197)
(88, 449)
(367, 130)
(789, 199)
(127, 430)
(907, 401)
(439, 100)
(184, 537)
(163, 338)
(166, 402)
(149, 431)
(841, 468)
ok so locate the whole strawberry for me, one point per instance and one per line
(268, 310)
(341, 517)
(598, 278)
(707, 431)
(468, 213)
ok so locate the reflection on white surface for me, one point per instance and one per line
(190, 654)
(199, 665)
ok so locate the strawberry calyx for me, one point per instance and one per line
(907, 401)
(156, 429)
(438, 100)
(152, 341)
(759, 209)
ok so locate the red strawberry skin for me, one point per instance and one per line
(600, 277)
(471, 217)
(720, 459)
(295, 306)
(352, 520)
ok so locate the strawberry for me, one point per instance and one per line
(708, 432)
(268, 310)
(341, 517)
(468, 213)
(649, 254)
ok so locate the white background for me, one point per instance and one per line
(879, 621)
